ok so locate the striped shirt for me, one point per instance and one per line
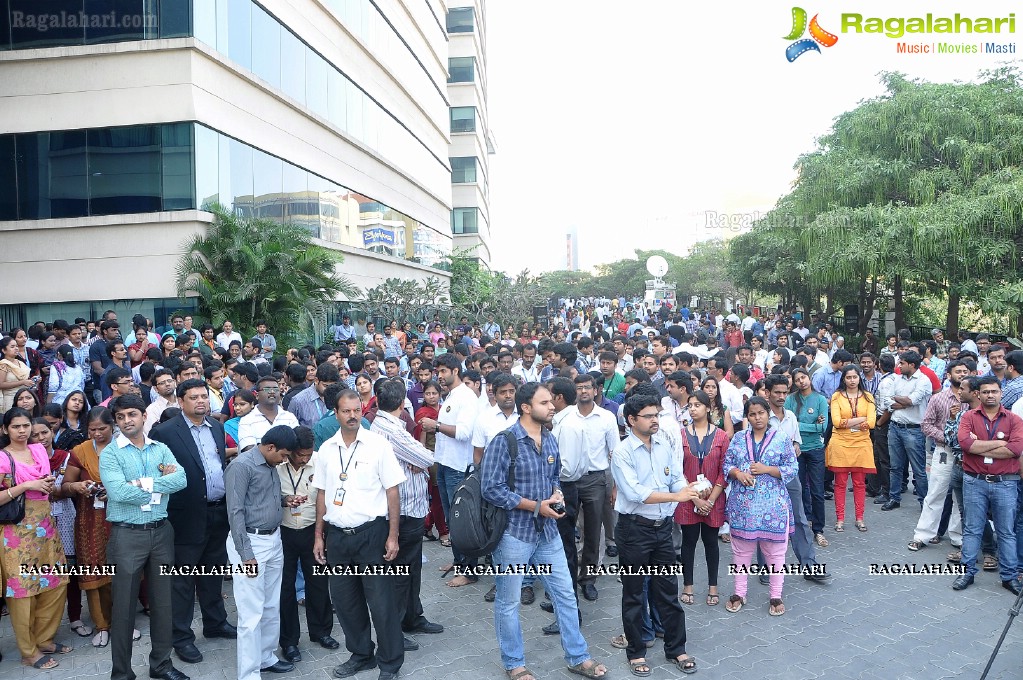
(414, 491)
(937, 415)
(121, 463)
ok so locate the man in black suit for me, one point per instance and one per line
(198, 514)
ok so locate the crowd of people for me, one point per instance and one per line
(615, 431)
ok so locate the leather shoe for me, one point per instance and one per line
(410, 644)
(279, 667)
(353, 666)
(611, 551)
(226, 631)
(326, 642)
(1013, 586)
(170, 674)
(881, 499)
(387, 675)
(891, 505)
(292, 654)
(552, 629)
(428, 628)
(491, 594)
(765, 580)
(963, 582)
(547, 606)
(819, 575)
(527, 596)
(188, 653)
(590, 592)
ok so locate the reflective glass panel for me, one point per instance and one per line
(266, 46)
(125, 170)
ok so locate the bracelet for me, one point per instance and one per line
(9, 494)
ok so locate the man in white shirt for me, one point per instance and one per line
(163, 381)
(911, 393)
(225, 338)
(529, 370)
(267, 414)
(453, 451)
(356, 475)
(625, 361)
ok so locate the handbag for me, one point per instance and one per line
(13, 511)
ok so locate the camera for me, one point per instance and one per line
(558, 507)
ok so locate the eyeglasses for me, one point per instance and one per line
(269, 390)
(125, 382)
(647, 416)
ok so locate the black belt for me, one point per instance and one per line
(351, 531)
(213, 504)
(594, 472)
(647, 522)
(260, 532)
(992, 478)
(148, 525)
(910, 427)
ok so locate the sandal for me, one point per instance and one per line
(81, 629)
(956, 556)
(640, 669)
(686, 598)
(777, 607)
(916, 545)
(521, 674)
(58, 648)
(861, 525)
(102, 639)
(445, 541)
(725, 538)
(620, 641)
(589, 672)
(990, 562)
(136, 635)
(43, 663)
(430, 536)
(823, 542)
(686, 664)
(935, 541)
(712, 599)
(734, 604)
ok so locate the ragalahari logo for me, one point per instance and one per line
(817, 35)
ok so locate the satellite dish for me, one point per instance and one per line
(657, 266)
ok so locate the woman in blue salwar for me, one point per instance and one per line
(759, 462)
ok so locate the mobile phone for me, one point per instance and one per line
(558, 507)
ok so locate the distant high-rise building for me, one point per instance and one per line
(572, 250)
(471, 140)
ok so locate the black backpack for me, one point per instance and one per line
(476, 526)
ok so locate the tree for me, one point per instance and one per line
(404, 300)
(249, 269)
(477, 293)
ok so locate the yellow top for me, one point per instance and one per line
(849, 449)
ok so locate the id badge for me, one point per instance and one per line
(147, 508)
(155, 498)
(98, 504)
(146, 483)
(989, 461)
(339, 496)
(296, 512)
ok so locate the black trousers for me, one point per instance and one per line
(356, 597)
(409, 606)
(207, 589)
(647, 546)
(298, 547)
(691, 535)
(593, 493)
(134, 552)
(566, 529)
(879, 483)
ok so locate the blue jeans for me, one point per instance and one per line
(811, 477)
(906, 443)
(987, 541)
(998, 498)
(1019, 526)
(558, 584)
(651, 619)
(300, 583)
(448, 480)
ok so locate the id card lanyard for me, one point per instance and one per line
(339, 496)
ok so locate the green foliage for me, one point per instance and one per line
(477, 293)
(404, 300)
(249, 269)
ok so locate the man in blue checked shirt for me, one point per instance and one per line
(532, 535)
(138, 474)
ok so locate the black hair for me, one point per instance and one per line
(126, 402)
(756, 401)
(9, 417)
(525, 393)
(449, 361)
(390, 394)
(116, 374)
(282, 437)
(638, 402)
(638, 374)
(306, 438)
(564, 387)
(741, 371)
(346, 393)
(912, 357)
(497, 380)
(356, 362)
(775, 379)
(328, 373)
(190, 384)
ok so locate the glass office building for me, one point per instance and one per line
(123, 119)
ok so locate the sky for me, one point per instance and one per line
(662, 123)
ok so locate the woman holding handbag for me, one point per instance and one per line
(35, 601)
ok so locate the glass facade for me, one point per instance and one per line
(461, 69)
(463, 170)
(465, 220)
(26, 24)
(182, 166)
(463, 119)
(460, 20)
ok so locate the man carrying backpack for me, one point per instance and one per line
(531, 536)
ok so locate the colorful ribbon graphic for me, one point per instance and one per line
(817, 35)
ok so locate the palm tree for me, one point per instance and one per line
(244, 269)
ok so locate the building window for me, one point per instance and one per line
(460, 20)
(463, 170)
(461, 70)
(463, 119)
(465, 220)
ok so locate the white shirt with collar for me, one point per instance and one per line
(600, 436)
(789, 425)
(571, 445)
(253, 426)
(732, 399)
(527, 375)
(918, 389)
(371, 468)
(154, 411)
(225, 339)
(491, 422)
(458, 410)
(298, 483)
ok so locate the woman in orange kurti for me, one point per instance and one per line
(850, 451)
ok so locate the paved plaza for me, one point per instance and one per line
(856, 626)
